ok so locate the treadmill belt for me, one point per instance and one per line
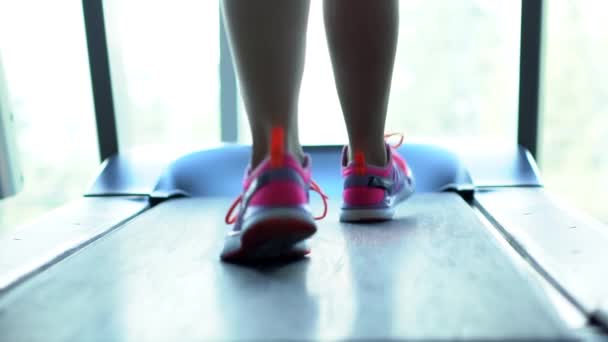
(433, 272)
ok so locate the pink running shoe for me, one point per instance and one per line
(273, 219)
(371, 193)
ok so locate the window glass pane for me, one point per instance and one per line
(575, 103)
(164, 60)
(456, 74)
(43, 52)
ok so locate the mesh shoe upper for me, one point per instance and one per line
(368, 186)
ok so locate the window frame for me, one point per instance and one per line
(105, 114)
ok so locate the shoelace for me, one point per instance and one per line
(313, 186)
(401, 138)
(401, 162)
(316, 188)
(359, 157)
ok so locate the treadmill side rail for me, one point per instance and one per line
(61, 233)
(567, 247)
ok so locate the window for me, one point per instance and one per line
(44, 55)
(456, 74)
(164, 58)
(574, 136)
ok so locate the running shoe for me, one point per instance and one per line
(273, 217)
(371, 193)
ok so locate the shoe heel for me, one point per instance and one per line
(362, 196)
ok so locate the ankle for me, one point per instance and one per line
(259, 154)
(373, 156)
(270, 140)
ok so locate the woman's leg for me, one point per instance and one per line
(268, 40)
(362, 37)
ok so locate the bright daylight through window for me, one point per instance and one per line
(456, 76)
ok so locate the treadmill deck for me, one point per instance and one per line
(434, 272)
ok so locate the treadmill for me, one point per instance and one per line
(481, 251)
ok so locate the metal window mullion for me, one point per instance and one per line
(101, 80)
(529, 74)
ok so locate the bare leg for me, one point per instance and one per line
(362, 37)
(268, 41)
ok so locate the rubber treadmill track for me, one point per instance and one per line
(433, 272)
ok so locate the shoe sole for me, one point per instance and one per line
(374, 214)
(276, 233)
(366, 215)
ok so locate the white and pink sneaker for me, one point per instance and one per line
(371, 193)
(273, 217)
